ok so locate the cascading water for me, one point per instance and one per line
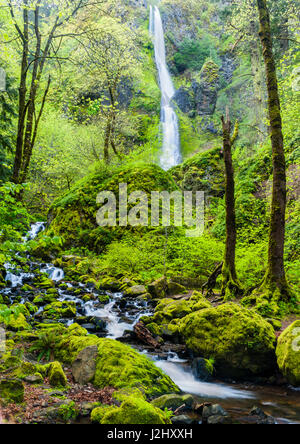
(171, 154)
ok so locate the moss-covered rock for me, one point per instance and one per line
(117, 364)
(173, 401)
(58, 310)
(12, 391)
(74, 215)
(288, 353)
(133, 410)
(240, 341)
(57, 378)
(168, 312)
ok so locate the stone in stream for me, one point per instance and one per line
(213, 410)
(183, 419)
(84, 366)
(201, 369)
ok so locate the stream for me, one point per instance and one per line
(116, 319)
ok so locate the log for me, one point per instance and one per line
(144, 335)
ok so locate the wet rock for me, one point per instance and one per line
(261, 417)
(184, 99)
(84, 366)
(201, 370)
(183, 419)
(174, 401)
(219, 420)
(213, 410)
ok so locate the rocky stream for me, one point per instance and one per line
(114, 315)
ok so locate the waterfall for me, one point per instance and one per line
(171, 154)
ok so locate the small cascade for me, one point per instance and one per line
(171, 154)
(182, 376)
(54, 273)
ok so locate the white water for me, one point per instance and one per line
(171, 155)
(189, 384)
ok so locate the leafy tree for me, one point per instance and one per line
(7, 115)
(39, 30)
(110, 60)
(191, 55)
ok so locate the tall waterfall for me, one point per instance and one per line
(171, 154)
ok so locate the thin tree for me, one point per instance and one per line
(275, 278)
(230, 284)
(37, 28)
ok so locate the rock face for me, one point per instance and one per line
(201, 97)
(84, 366)
(240, 341)
(288, 353)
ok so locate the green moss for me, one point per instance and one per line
(58, 310)
(288, 353)
(57, 378)
(202, 172)
(74, 215)
(173, 402)
(132, 411)
(12, 391)
(240, 341)
(117, 365)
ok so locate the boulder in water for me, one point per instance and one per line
(240, 341)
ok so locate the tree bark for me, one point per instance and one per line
(275, 276)
(230, 285)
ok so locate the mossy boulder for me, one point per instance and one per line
(57, 377)
(240, 341)
(12, 391)
(288, 353)
(73, 216)
(14, 321)
(58, 310)
(173, 401)
(168, 312)
(134, 410)
(117, 364)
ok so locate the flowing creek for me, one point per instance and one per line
(119, 316)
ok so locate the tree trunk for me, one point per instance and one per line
(275, 275)
(230, 286)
